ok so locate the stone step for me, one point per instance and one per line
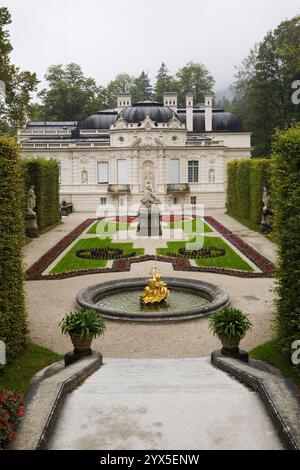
(163, 404)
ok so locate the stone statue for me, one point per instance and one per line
(149, 215)
(31, 201)
(84, 177)
(211, 175)
(266, 212)
(148, 174)
(31, 226)
(149, 197)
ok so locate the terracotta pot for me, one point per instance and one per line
(79, 344)
(230, 344)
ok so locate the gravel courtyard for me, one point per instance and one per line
(49, 301)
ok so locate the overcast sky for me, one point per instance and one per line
(110, 36)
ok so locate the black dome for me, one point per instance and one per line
(221, 121)
(101, 120)
(138, 112)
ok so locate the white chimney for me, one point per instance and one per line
(208, 113)
(170, 100)
(189, 112)
(123, 100)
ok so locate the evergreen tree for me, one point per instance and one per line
(164, 83)
(142, 89)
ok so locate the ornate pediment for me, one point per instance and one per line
(120, 123)
(147, 123)
(174, 123)
(148, 141)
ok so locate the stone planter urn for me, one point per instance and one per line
(230, 345)
(80, 345)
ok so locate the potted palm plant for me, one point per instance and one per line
(82, 326)
(230, 325)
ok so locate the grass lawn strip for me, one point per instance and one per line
(269, 352)
(71, 262)
(17, 375)
(107, 228)
(231, 260)
(190, 226)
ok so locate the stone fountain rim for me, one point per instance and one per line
(85, 298)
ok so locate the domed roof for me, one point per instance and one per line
(101, 120)
(221, 121)
(138, 112)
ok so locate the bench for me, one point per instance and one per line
(66, 208)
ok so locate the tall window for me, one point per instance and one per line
(175, 170)
(193, 171)
(122, 171)
(102, 172)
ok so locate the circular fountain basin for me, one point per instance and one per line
(120, 300)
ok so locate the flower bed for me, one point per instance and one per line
(209, 252)
(259, 260)
(103, 253)
(35, 271)
(11, 409)
(179, 264)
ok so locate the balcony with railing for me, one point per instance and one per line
(178, 188)
(118, 188)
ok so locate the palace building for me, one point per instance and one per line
(103, 159)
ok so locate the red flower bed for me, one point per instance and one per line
(259, 260)
(36, 270)
(172, 218)
(11, 409)
(125, 219)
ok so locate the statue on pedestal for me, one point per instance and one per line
(149, 216)
(31, 227)
(266, 212)
(31, 201)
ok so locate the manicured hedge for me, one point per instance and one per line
(44, 176)
(259, 177)
(245, 181)
(285, 180)
(13, 327)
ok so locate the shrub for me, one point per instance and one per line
(85, 322)
(229, 322)
(285, 181)
(245, 182)
(44, 176)
(11, 409)
(259, 177)
(243, 187)
(13, 326)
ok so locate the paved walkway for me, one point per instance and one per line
(163, 404)
(255, 239)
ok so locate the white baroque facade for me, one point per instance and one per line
(105, 159)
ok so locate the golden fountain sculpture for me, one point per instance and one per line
(156, 292)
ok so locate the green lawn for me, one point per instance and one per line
(108, 229)
(71, 262)
(230, 260)
(191, 226)
(17, 375)
(269, 352)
